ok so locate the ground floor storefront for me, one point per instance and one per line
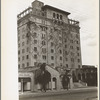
(26, 80)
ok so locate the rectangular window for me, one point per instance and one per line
(72, 59)
(50, 37)
(60, 58)
(78, 54)
(44, 28)
(35, 41)
(52, 43)
(27, 41)
(23, 65)
(65, 40)
(22, 43)
(44, 57)
(43, 43)
(23, 50)
(65, 46)
(71, 47)
(44, 50)
(77, 48)
(52, 57)
(34, 34)
(18, 51)
(22, 57)
(60, 38)
(66, 52)
(52, 50)
(71, 41)
(66, 59)
(72, 53)
(77, 42)
(35, 56)
(78, 60)
(51, 30)
(67, 65)
(35, 49)
(18, 45)
(27, 56)
(43, 36)
(60, 51)
(19, 66)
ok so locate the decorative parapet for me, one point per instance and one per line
(24, 13)
(73, 22)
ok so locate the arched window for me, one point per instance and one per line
(57, 16)
(53, 15)
(61, 17)
(54, 83)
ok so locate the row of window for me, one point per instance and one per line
(44, 28)
(57, 16)
(27, 64)
(72, 59)
(44, 43)
(35, 49)
(23, 50)
(23, 57)
(71, 41)
(52, 64)
(77, 36)
(66, 53)
(68, 66)
(44, 57)
(71, 47)
(44, 51)
(43, 35)
(23, 65)
(35, 57)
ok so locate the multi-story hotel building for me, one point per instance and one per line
(47, 35)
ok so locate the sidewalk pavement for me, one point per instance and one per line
(55, 92)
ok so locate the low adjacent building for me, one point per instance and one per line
(87, 74)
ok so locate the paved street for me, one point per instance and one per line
(83, 94)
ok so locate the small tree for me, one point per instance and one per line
(65, 80)
(42, 76)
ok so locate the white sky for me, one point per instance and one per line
(85, 11)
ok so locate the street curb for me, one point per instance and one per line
(57, 93)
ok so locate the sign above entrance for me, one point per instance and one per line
(25, 74)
